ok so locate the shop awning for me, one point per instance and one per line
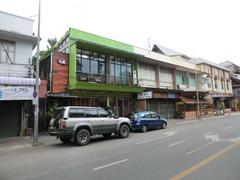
(17, 81)
(186, 100)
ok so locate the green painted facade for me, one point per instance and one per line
(92, 38)
(90, 41)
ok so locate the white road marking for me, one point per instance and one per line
(208, 144)
(208, 133)
(187, 122)
(110, 164)
(228, 127)
(195, 150)
(166, 134)
(214, 137)
(173, 144)
(151, 140)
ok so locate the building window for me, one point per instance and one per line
(182, 78)
(166, 78)
(7, 51)
(216, 84)
(222, 84)
(121, 71)
(146, 75)
(91, 66)
(227, 86)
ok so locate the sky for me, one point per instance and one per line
(198, 28)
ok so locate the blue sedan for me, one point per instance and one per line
(146, 120)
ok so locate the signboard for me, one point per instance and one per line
(16, 92)
(144, 95)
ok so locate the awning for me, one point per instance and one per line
(17, 81)
(186, 100)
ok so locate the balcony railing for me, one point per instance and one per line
(105, 79)
(16, 70)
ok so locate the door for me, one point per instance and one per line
(109, 124)
(93, 119)
(10, 118)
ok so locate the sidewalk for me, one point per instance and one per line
(18, 142)
(13, 143)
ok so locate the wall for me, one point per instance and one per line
(59, 72)
(17, 24)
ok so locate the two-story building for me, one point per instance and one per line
(235, 77)
(90, 70)
(16, 73)
(218, 82)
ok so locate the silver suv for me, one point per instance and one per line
(79, 123)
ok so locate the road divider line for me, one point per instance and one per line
(228, 127)
(204, 162)
(110, 164)
(176, 143)
(193, 151)
(208, 144)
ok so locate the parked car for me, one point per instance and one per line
(147, 120)
(80, 123)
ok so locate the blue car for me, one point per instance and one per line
(147, 120)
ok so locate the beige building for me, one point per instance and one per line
(218, 82)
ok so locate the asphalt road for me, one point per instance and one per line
(194, 150)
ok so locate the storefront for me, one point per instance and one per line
(161, 102)
(14, 103)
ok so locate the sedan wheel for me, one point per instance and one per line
(164, 126)
(82, 137)
(144, 129)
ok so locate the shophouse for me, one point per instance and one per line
(219, 83)
(90, 70)
(16, 74)
(235, 77)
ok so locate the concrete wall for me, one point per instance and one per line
(17, 24)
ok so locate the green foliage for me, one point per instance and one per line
(221, 105)
(51, 109)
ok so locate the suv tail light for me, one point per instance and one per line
(62, 124)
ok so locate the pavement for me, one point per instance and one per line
(198, 149)
(12, 143)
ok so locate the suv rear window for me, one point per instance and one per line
(76, 113)
(58, 113)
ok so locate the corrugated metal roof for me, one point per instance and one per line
(169, 52)
(204, 61)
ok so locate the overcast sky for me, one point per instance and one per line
(199, 28)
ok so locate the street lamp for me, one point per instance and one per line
(36, 111)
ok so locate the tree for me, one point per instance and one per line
(52, 42)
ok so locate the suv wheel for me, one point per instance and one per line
(124, 131)
(82, 137)
(65, 140)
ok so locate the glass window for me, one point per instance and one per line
(147, 115)
(94, 67)
(76, 113)
(155, 115)
(103, 113)
(85, 66)
(58, 113)
(9, 46)
(91, 112)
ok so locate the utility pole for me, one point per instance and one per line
(197, 90)
(36, 112)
